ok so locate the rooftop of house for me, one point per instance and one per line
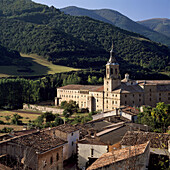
(115, 135)
(153, 82)
(130, 110)
(108, 132)
(157, 140)
(67, 128)
(22, 132)
(138, 127)
(83, 87)
(91, 140)
(118, 155)
(4, 167)
(38, 141)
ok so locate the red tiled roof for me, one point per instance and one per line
(82, 87)
(38, 141)
(118, 155)
(153, 82)
(67, 128)
(92, 141)
(156, 139)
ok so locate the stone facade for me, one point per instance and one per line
(89, 149)
(35, 151)
(67, 133)
(42, 108)
(115, 92)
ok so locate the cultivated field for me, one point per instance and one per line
(26, 117)
(40, 66)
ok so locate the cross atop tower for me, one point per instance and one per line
(112, 57)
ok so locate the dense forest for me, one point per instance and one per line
(159, 34)
(11, 57)
(16, 91)
(75, 41)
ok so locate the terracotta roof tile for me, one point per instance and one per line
(156, 139)
(118, 155)
(153, 82)
(92, 141)
(39, 141)
(82, 87)
(67, 128)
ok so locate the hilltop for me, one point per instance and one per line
(115, 18)
(161, 25)
(73, 41)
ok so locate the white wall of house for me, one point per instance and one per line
(71, 148)
(102, 115)
(84, 152)
(128, 116)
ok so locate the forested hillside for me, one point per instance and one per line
(10, 57)
(75, 41)
(115, 18)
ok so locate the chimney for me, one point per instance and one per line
(95, 134)
(127, 77)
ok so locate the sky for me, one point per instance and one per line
(134, 9)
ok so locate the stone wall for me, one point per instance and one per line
(102, 115)
(42, 108)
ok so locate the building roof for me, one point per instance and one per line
(39, 141)
(67, 128)
(83, 87)
(4, 167)
(153, 82)
(161, 88)
(115, 135)
(130, 110)
(157, 140)
(118, 155)
(124, 88)
(91, 140)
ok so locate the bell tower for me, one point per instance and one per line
(112, 79)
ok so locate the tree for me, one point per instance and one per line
(7, 118)
(58, 121)
(49, 116)
(157, 118)
(16, 119)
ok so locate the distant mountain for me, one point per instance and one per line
(119, 20)
(80, 42)
(161, 25)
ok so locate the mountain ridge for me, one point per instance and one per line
(79, 42)
(116, 18)
(161, 25)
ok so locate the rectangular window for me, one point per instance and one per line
(92, 152)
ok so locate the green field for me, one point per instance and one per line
(40, 66)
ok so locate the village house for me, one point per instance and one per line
(159, 145)
(68, 133)
(115, 92)
(35, 151)
(135, 157)
(127, 112)
(89, 149)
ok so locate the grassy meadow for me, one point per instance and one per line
(26, 117)
(40, 66)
